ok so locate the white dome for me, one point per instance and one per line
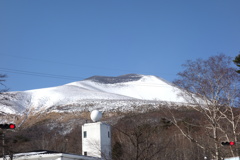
(96, 115)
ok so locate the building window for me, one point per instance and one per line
(85, 134)
(85, 153)
(108, 134)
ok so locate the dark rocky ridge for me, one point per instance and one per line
(118, 79)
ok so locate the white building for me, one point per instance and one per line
(96, 140)
(46, 155)
(232, 158)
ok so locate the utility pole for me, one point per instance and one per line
(3, 127)
(3, 145)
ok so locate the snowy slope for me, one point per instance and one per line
(144, 88)
(13, 102)
(65, 94)
(122, 88)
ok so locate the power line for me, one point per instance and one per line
(76, 65)
(64, 63)
(68, 77)
(39, 74)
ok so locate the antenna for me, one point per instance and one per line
(96, 115)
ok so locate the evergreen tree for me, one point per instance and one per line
(237, 62)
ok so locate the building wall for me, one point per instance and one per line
(106, 148)
(91, 140)
(96, 140)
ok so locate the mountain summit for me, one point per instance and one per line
(112, 80)
(92, 92)
(143, 87)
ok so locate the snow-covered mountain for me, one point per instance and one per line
(96, 92)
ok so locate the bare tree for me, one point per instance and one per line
(212, 87)
(2, 79)
(138, 139)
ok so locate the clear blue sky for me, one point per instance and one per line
(45, 43)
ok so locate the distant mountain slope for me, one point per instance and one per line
(127, 87)
(144, 87)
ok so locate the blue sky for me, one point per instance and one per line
(49, 43)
